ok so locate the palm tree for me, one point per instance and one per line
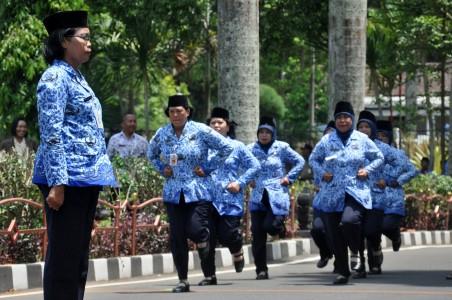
(238, 63)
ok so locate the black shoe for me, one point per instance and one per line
(239, 261)
(203, 252)
(359, 274)
(238, 265)
(396, 244)
(375, 270)
(341, 280)
(182, 287)
(323, 261)
(262, 275)
(449, 276)
(208, 281)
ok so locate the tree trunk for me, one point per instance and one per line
(376, 90)
(449, 168)
(347, 52)
(429, 109)
(238, 64)
(411, 94)
(312, 98)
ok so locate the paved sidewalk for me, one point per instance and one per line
(28, 276)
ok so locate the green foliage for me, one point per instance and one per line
(271, 104)
(430, 184)
(137, 180)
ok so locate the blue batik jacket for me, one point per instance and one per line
(344, 161)
(183, 154)
(274, 164)
(240, 167)
(398, 175)
(72, 150)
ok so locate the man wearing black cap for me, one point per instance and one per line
(179, 151)
(343, 160)
(71, 163)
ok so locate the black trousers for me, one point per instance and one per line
(318, 233)
(69, 232)
(187, 221)
(225, 229)
(372, 233)
(391, 226)
(344, 230)
(263, 223)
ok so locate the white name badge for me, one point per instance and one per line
(331, 157)
(173, 159)
(98, 116)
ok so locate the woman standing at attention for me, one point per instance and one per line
(71, 163)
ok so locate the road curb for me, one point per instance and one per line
(28, 276)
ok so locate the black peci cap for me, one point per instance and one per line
(343, 107)
(366, 115)
(219, 112)
(66, 19)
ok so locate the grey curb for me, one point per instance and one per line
(28, 276)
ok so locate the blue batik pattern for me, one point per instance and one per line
(403, 173)
(273, 169)
(391, 157)
(240, 167)
(191, 150)
(330, 155)
(72, 150)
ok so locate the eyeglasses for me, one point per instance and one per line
(85, 37)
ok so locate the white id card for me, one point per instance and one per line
(173, 159)
(331, 157)
(98, 116)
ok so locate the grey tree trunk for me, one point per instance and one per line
(238, 64)
(449, 170)
(347, 52)
(431, 125)
(312, 97)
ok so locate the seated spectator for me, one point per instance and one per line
(18, 142)
(127, 142)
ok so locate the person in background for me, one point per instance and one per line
(127, 143)
(373, 219)
(343, 160)
(425, 166)
(71, 164)
(179, 152)
(229, 182)
(318, 230)
(269, 202)
(18, 142)
(306, 173)
(395, 177)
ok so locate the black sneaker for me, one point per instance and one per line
(323, 261)
(396, 244)
(208, 281)
(340, 280)
(375, 271)
(182, 287)
(262, 275)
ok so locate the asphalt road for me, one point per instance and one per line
(413, 273)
